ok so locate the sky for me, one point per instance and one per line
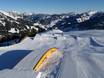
(52, 6)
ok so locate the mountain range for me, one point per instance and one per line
(15, 25)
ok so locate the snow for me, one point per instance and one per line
(86, 16)
(92, 13)
(3, 23)
(83, 18)
(27, 26)
(36, 24)
(39, 75)
(12, 30)
(33, 27)
(9, 14)
(40, 25)
(83, 55)
(53, 23)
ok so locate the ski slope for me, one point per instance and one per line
(83, 55)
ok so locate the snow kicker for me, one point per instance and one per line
(49, 61)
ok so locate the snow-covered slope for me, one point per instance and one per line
(13, 15)
(83, 55)
(86, 16)
(15, 25)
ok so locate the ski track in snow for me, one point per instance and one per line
(83, 55)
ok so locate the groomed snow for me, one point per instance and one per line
(83, 55)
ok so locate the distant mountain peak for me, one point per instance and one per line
(92, 12)
(11, 14)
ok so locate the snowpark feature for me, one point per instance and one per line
(48, 61)
(83, 55)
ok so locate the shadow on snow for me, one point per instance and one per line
(9, 59)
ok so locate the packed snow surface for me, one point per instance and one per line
(83, 55)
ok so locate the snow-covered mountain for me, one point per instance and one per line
(82, 51)
(18, 25)
(84, 21)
